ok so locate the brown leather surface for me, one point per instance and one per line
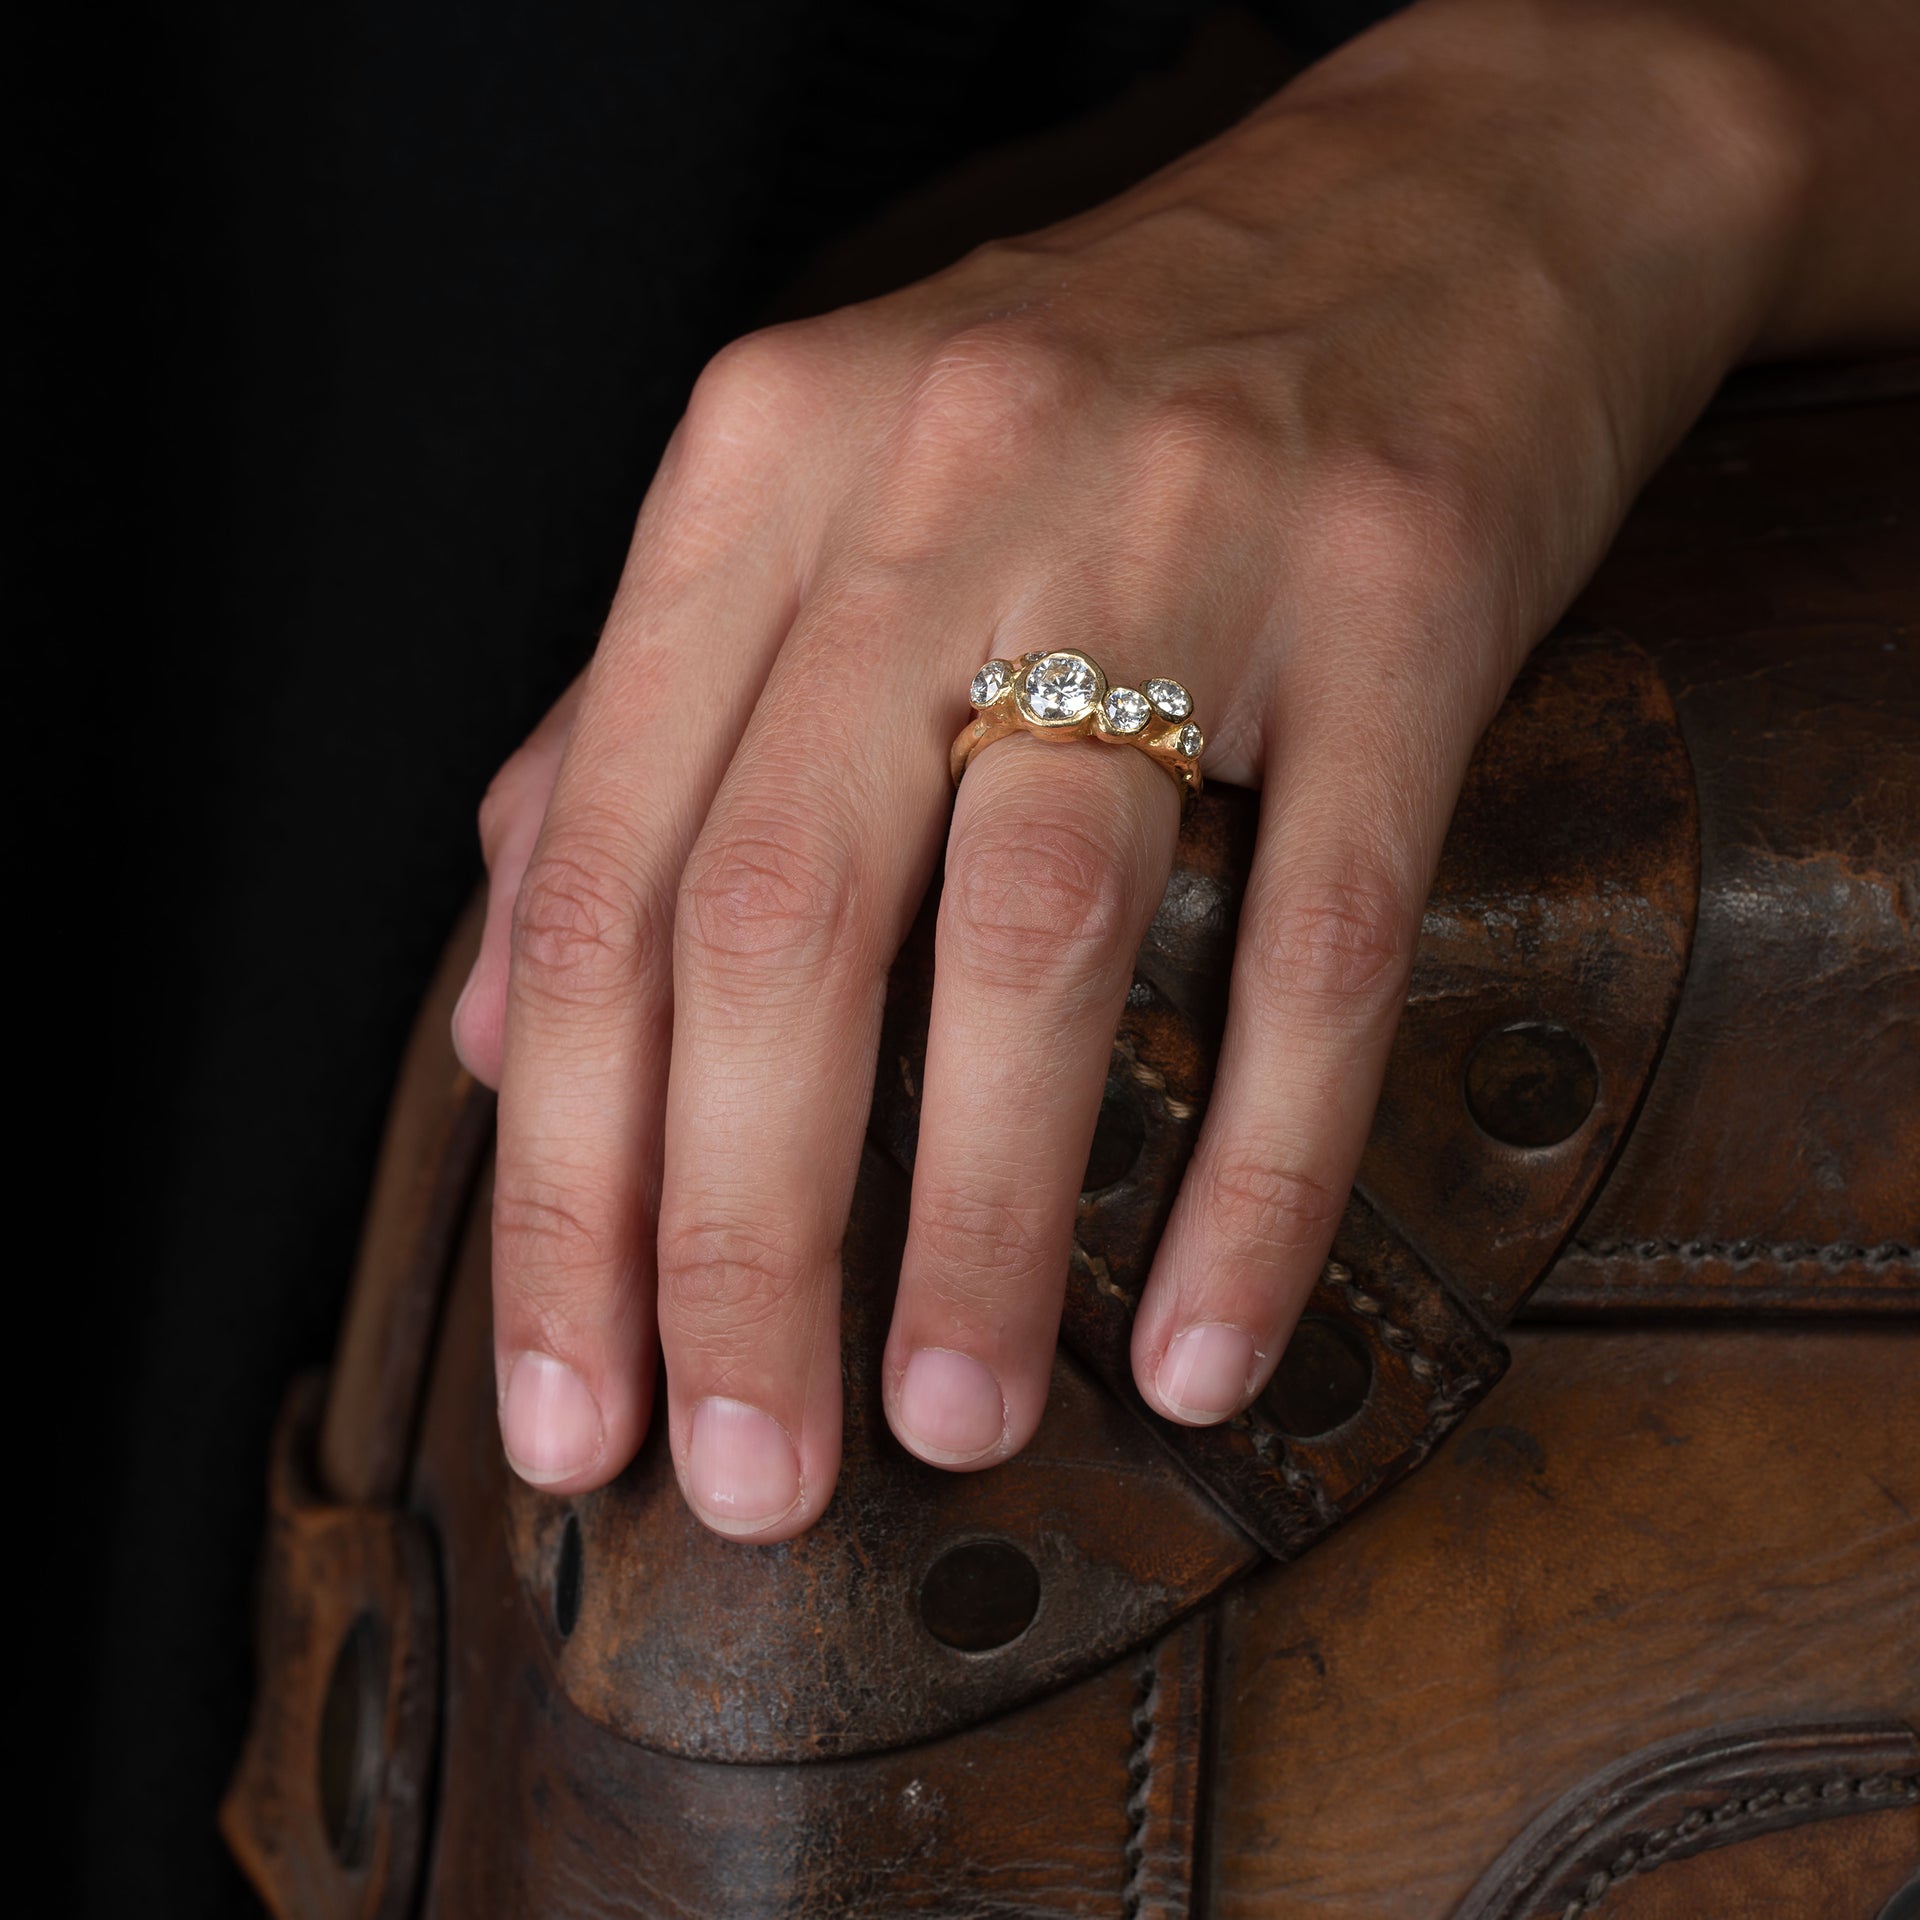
(1638, 1535)
(1081, 1803)
(1835, 1870)
(1710, 1791)
(1563, 906)
(329, 1812)
(1773, 568)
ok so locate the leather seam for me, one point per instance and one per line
(1140, 1783)
(1443, 1406)
(1725, 1821)
(1885, 1253)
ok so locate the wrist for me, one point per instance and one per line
(1655, 165)
(1783, 137)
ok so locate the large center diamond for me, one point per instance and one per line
(1061, 687)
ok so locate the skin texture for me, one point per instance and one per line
(1328, 421)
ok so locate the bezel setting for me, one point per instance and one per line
(1125, 710)
(1170, 697)
(990, 683)
(1060, 689)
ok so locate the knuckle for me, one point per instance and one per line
(975, 1247)
(1344, 938)
(721, 1279)
(985, 392)
(725, 475)
(1016, 905)
(581, 936)
(1195, 445)
(1409, 520)
(1266, 1211)
(772, 894)
(1196, 462)
(755, 389)
(553, 1247)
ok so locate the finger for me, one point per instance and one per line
(707, 598)
(791, 909)
(1347, 842)
(510, 818)
(1057, 857)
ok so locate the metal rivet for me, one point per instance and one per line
(980, 1595)
(1531, 1084)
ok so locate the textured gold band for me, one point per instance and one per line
(1064, 695)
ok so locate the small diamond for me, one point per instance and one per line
(1126, 711)
(1171, 698)
(1191, 741)
(989, 683)
(1061, 687)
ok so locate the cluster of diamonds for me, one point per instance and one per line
(1060, 688)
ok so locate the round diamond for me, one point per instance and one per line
(1126, 710)
(1191, 741)
(989, 683)
(1171, 698)
(1061, 687)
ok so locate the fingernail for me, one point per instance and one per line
(951, 1407)
(742, 1471)
(1206, 1372)
(456, 1026)
(549, 1423)
(460, 1005)
(466, 993)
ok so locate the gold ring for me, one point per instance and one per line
(1063, 695)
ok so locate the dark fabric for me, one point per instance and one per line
(358, 329)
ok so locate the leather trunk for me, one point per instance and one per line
(1570, 1565)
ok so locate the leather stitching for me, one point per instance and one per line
(1725, 1821)
(1886, 1253)
(1445, 1403)
(1140, 1784)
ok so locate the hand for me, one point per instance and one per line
(1327, 422)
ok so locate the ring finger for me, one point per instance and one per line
(1058, 855)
